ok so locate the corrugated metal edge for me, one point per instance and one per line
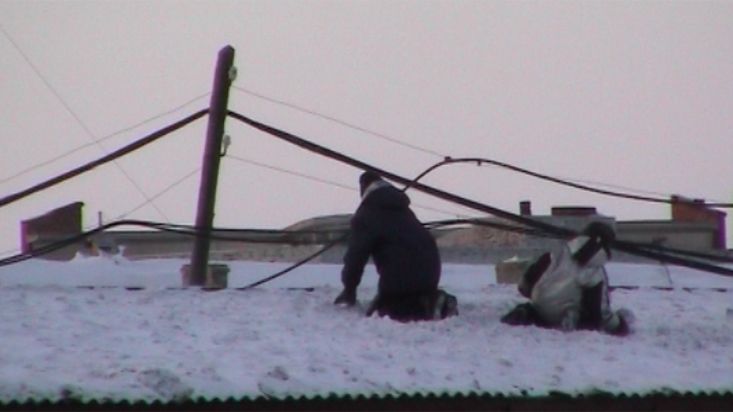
(344, 399)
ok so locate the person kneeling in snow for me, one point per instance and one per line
(569, 289)
(404, 253)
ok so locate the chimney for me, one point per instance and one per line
(695, 210)
(525, 208)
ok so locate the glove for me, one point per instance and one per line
(521, 315)
(625, 322)
(570, 321)
(346, 297)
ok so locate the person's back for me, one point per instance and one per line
(559, 291)
(569, 288)
(404, 252)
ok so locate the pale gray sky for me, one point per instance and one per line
(632, 94)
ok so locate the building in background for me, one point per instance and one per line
(693, 227)
(40, 232)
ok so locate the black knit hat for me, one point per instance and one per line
(366, 179)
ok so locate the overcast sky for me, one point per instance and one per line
(636, 95)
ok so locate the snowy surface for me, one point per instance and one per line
(167, 343)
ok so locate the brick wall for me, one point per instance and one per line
(695, 210)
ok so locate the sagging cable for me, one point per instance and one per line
(102, 160)
(480, 161)
(546, 227)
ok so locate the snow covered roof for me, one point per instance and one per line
(286, 340)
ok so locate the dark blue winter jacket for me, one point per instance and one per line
(404, 252)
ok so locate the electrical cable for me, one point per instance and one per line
(296, 265)
(543, 227)
(191, 231)
(324, 181)
(677, 251)
(536, 233)
(102, 139)
(557, 231)
(76, 117)
(546, 227)
(536, 227)
(565, 181)
(45, 81)
(160, 193)
(615, 186)
(479, 161)
(289, 237)
(266, 236)
(626, 188)
(290, 172)
(155, 117)
(313, 147)
(52, 247)
(102, 160)
(45, 162)
(339, 121)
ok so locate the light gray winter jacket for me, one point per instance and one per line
(557, 295)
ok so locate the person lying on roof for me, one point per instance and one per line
(568, 290)
(404, 252)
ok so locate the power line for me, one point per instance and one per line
(421, 149)
(305, 237)
(45, 163)
(342, 158)
(480, 161)
(327, 182)
(626, 188)
(615, 186)
(296, 265)
(548, 228)
(339, 121)
(104, 159)
(74, 115)
(46, 82)
(160, 193)
(157, 116)
(291, 172)
(107, 137)
(538, 226)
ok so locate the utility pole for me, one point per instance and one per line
(223, 78)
